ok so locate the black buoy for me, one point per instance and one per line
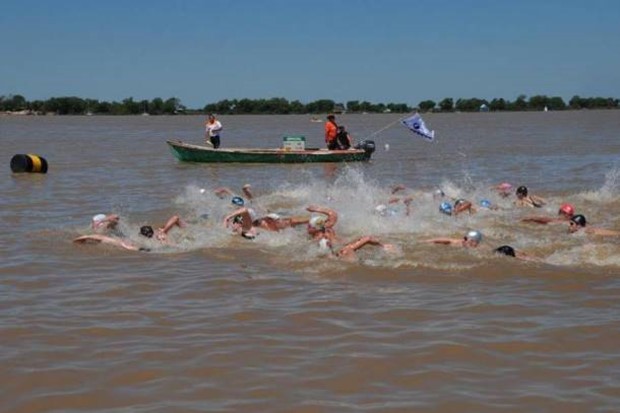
(28, 163)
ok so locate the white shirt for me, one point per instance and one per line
(213, 129)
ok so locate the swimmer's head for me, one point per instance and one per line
(504, 186)
(324, 245)
(567, 210)
(273, 216)
(521, 191)
(147, 231)
(459, 202)
(438, 194)
(473, 237)
(485, 203)
(576, 222)
(97, 219)
(381, 209)
(445, 208)
(237, 200)
(317, 222)
(506, 250)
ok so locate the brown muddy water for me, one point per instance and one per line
(214, 322)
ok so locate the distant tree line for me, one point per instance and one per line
(281, 106)
(72, 105)
(534, 103)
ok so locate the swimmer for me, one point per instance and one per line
(385, 210)
(511, 252)
(445, 208)
(240, 221)
(321, 227)
(565, 213)
(162, 233)
(104, 239)
(438, 194)
(103, 222)
(472, 239)
(146, 231)
(348, 251)
(486, 204)
(462, 205)
(275, 222)
(578, 223)
(525, 200)
(503, 189)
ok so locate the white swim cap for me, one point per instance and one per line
(381, 209)
(99, 218)
(273, 215)
(324, 244)
(317, 222)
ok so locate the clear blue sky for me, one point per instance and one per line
(401, 51)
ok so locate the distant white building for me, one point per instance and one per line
(484, 108)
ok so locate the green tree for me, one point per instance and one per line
(538, 102)
(498, 104)
(171, 106)
(520, 103)
(353, 106)
(557, 103)
(320, 106)
(427, 105)
(446, 105)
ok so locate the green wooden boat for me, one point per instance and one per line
(187, 152)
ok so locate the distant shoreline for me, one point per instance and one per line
(313, 116)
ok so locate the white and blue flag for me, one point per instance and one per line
(416, 125)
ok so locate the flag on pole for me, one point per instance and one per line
(416, 125)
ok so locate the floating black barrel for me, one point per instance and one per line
(28, 163)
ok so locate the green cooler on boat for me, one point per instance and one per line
(294, 143)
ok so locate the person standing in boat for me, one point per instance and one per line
(331, 132)
(213, 128)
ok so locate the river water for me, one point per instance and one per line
(214, 322)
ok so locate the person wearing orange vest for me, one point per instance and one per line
(331, 132)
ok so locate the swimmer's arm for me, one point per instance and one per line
(221, 191)
(465, 206)
(294, 221)
(332, 216)
(602, 232)
(246, 191)
(163, 231)
(96, 238)
(538, 220)
(397, 188)
(443, 241)
(537, 201)
(234, 214)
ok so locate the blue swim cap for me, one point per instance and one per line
(445, 208)
(237, 200)
(485, 203)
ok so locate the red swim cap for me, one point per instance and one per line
(567, 209)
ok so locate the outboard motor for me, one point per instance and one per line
(367, 145)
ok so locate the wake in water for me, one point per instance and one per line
(402, 215)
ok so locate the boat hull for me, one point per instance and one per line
(196, 153)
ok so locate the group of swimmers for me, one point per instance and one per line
(244, 221)
(566, 214)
